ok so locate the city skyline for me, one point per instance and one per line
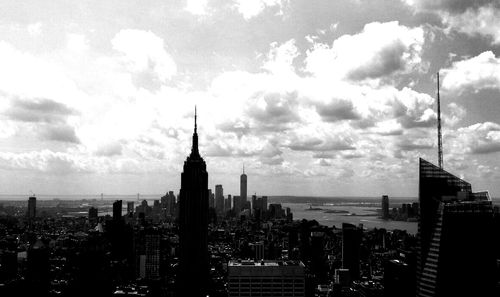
(98, 97)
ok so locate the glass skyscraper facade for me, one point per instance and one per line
(455, 256)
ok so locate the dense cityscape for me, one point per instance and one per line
(199, 243)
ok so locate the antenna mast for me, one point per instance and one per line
(440, 137)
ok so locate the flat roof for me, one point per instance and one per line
(265, 263)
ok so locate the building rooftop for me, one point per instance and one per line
(265, 263)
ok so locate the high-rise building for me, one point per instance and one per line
(236, 204)
(227, 203)
(32, 207)
(117, 210)
(243, 189)
(211, 199)
(193, 274)
(93, 214)
(266, 278)
(385, 207)
(351, 243)
(455, 256)
(219, 199)
(130, 207)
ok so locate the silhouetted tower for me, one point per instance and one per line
(243, 189)
(117, 210)
(385, 207)
(193, 273)
(32, 207)
(351, 243)
(440, 137)
(455, 254)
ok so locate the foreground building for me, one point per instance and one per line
(193, 271)
(266, 278)
(455, 256)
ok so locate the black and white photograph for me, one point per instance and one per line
(250, 148)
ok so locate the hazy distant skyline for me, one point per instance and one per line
(316, 98)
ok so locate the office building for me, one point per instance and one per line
(219, 199)
(266, 278)
(193, 273)
(93, 214)
(243, 189)
(351, 243)
(227, 204)
(211, 199)
(385, 207)
(455, 254)
(117, 210)
(130, 207)
(32, 207)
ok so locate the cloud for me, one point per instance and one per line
(252, 8)
(59, 132)
(144, 54)
(42, 161)
(393, 48)
(472, 17)
(197, 7)
(273, 111)
(480, 138)
(337, 110)
(38, 110)
(109, 149)
(322, 145)
(476, 73)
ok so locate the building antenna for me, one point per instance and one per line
(440, 137)
(243, 168)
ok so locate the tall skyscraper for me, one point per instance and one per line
(32, 207)
(117, 210)
(351, 243)
(193, 272)
(219, 199)
(130, 207)
(455, 256)
(243, 189)
(385, 207)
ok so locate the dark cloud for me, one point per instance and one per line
(62, 133)
(38, 110)
(455, 6)
(337, 110)
(486, 148)
(386, 61)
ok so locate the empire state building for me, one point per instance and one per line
(193, 271)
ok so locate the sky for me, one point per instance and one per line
(313, 97)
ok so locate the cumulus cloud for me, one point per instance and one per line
(38, 110)
(251, 8)
(476, 73)
(145, 55)
(60, 132)
(472, 17)
(480, 138)
(337, 110)
(46, 117)
(109, 149)
(393, 48)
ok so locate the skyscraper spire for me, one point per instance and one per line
(440, 138)
(243, 168)
(194, 149)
